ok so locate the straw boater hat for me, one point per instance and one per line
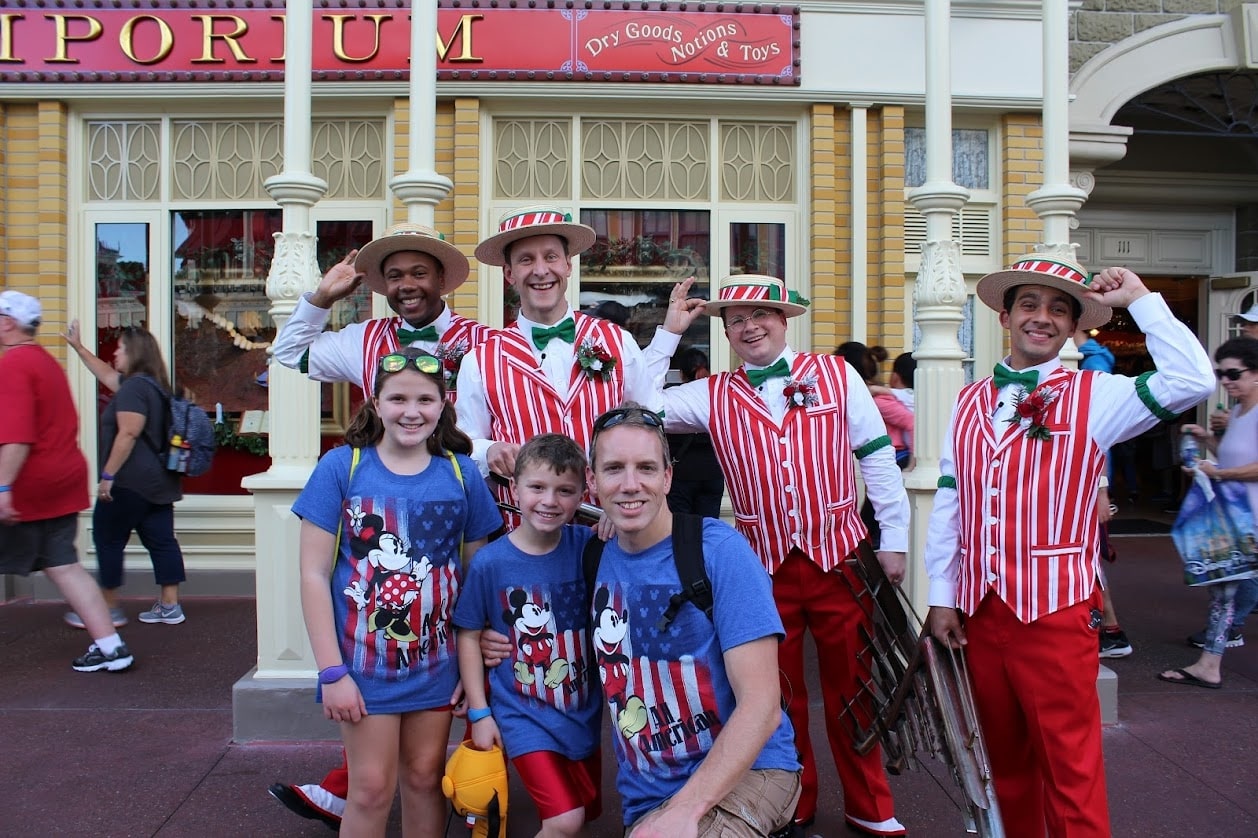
(757, 290)
(411, 237)
(1053, 271)
(526, 222)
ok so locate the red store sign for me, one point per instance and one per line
(486, 40)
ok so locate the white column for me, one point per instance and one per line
(938, 296)
(421, 188)
(1057, 201)
(859, 233)
(274, 701)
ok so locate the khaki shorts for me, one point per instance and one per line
(762, 802)
(29, 546)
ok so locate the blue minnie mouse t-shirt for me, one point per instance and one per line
(541, 695)
(398, 570)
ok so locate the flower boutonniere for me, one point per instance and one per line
(1031, 411)
(595, 360)
(451, 355)
(801, 392)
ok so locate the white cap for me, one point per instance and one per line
(23, 308)
(1250, 316)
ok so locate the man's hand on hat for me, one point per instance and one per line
(682, 308)
(339, 282)
(1117, 287)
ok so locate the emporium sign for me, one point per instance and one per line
(481, 40)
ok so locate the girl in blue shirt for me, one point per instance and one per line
(384, 520)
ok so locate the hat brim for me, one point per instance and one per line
(492, 251)
(991, 290)
(371, 256)
(715, 307)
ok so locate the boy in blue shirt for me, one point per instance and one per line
(531, 587)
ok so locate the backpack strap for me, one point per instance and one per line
(166, 429)
(696, 588)
(458, 474)
(353, 467)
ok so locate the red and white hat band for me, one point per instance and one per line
(532, 219)
(1061, 270)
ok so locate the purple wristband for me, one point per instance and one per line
(332, 674)
(104, 475)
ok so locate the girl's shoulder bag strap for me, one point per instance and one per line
(353, 467)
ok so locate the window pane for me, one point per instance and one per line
(758, 249)
(221, 323)
(635, 261)
(970, 158)
(122, 286)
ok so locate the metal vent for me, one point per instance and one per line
(972, 227)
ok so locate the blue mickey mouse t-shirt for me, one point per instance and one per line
(398, 571)
(667, 691)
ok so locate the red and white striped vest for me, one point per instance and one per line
(463, 335)
(521, 401)
(1027, 506)
(792, 485)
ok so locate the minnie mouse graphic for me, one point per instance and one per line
(393, 580)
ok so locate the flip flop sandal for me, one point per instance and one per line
(1188, 679)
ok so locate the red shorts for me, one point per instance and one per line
(558, 784)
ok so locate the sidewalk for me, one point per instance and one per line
(149, 752)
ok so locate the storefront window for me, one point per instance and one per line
(336, 238)
(635, 261)
(758, 249)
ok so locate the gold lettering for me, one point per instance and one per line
(126, 39)
(283, 19)
(338, 36)
(465, 31)
(64, 37)
(6, 36)
(208, 36)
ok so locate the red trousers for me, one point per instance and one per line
(1035, 687)
(810, 599)
(337, 780)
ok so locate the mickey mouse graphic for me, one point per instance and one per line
(535, 641)
(610, 629)
(393, 580)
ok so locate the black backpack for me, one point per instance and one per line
(688, 556)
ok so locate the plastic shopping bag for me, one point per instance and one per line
(1214, 532)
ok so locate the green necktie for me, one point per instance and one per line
(565, 331)
(1002, 375)
(780, 369)
(407, 336)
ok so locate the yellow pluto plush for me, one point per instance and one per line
(476, 784)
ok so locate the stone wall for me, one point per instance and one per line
(1096, 24)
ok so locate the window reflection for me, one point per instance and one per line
(758, 249)
(122, 287)
(635, 261)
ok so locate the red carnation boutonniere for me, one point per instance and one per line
(801, 392)
(1031, 411)
(451, 355)
(595, 360)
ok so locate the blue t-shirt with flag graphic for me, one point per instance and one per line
(667, 692)
(398, 570)
(541, 695)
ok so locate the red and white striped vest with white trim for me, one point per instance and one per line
(521, 400)
(792, 485)
(1027, 506)
(463, 335)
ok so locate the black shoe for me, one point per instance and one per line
(1234, 639)
(1114, 644)
(297, 804)
(96, 660)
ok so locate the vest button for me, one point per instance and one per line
(991, 577)
(993, 521)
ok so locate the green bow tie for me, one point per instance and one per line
(780, 369)
(1002, 376)
(565, 331)
(407, 336)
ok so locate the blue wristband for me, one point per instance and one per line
(333, 673)
(476, 714)
(4, 489)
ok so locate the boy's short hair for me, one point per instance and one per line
(557, 451)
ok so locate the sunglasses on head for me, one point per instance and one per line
(1230, 375)
(619, 416)
(396, 362)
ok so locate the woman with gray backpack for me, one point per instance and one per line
(137, 491)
